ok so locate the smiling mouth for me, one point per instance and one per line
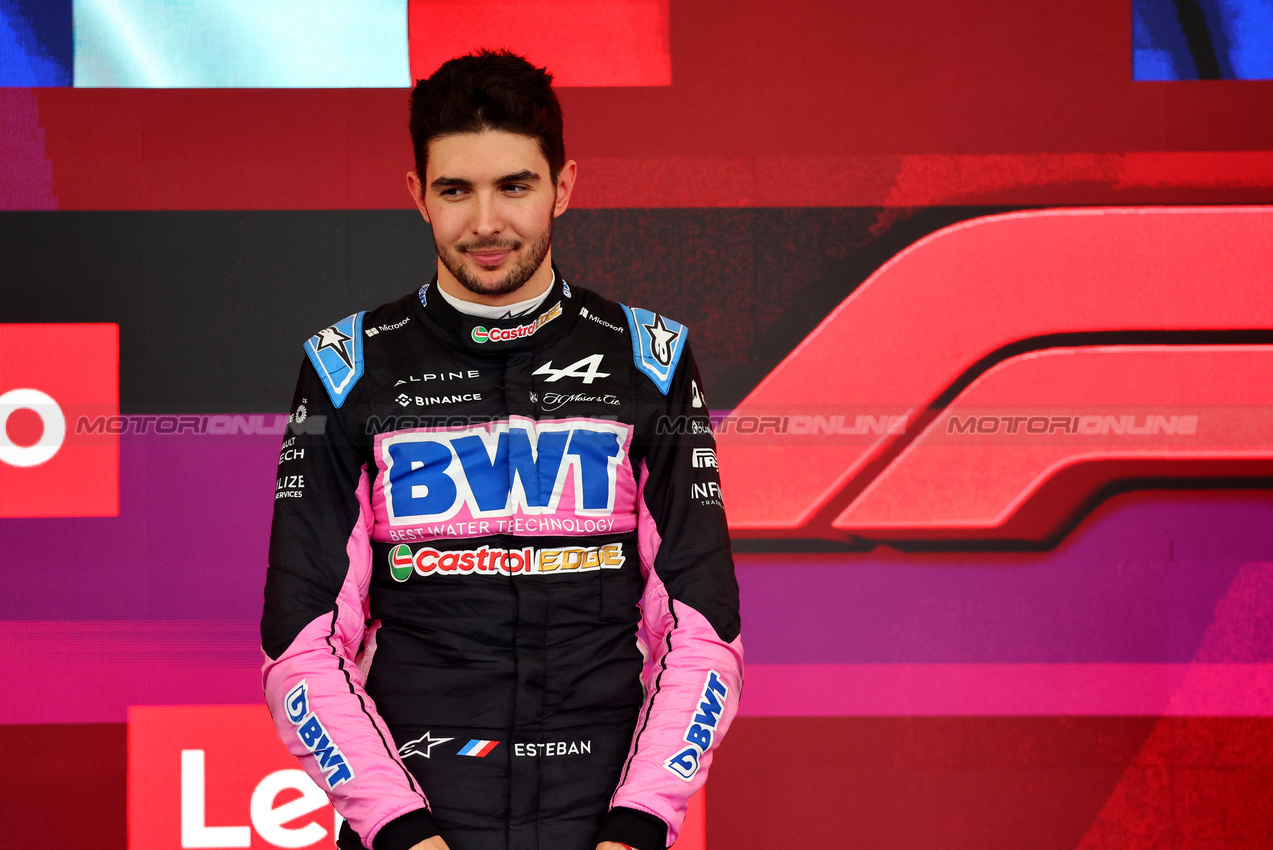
(489, 256)
(489, 259)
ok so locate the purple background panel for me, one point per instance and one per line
(1139, 581)
(190, 542)
(1159, 602)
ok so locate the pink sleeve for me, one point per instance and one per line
(315, 693)
(692, 681)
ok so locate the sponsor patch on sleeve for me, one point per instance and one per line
(657, 344)
(311, 732)
(337, 355)
(702, 728)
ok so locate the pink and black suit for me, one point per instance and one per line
(501, 602)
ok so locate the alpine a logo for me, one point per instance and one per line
(587, 370)
(569, 476)
(483, 334)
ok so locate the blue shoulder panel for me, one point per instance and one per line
(657, 344)
(336, 353)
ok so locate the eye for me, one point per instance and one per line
(516, 189)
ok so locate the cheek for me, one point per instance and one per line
(531, 222)
(447, 226)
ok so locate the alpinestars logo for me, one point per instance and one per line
(422, 746)
(335, 339)
(661, 339)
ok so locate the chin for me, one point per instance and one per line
(491, 283)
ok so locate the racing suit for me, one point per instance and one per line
(501, 602)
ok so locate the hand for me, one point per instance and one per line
(434, 843)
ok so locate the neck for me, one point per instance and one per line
(532, 288)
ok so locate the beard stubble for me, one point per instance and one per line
(511, 282)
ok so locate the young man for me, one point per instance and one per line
(501, 609)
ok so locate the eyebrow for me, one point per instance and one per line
(523, 176)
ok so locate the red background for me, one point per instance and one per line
(78, 365)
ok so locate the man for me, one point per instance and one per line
(501, 609)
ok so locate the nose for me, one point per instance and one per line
(486, 217)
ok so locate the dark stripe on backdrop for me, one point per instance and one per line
(213, 306)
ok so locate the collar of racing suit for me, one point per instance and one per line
(481, 335)
(486, 311)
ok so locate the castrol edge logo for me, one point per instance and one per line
(506, 562)
(484, 334)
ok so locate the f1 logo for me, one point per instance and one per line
(1085, 348)
(51, 377)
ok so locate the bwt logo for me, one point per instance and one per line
(49, 374)
(331, 761)
(504, 469)
(702, 728)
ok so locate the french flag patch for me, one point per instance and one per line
(477, 749)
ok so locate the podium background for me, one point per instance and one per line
(744, 168)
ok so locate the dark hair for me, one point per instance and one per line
(487, 90)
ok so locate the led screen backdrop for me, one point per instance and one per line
(983, 314)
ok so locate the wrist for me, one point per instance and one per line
(634, 829)
(406, 831)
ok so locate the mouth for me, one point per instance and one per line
(489, 258)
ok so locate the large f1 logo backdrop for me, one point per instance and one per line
(994, 378)
(56, 381)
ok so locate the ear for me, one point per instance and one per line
(565, 185)
(416, 188)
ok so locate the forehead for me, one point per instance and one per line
(487, 155)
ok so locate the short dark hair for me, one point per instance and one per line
(487, 90)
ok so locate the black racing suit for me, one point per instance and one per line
(501, 602)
